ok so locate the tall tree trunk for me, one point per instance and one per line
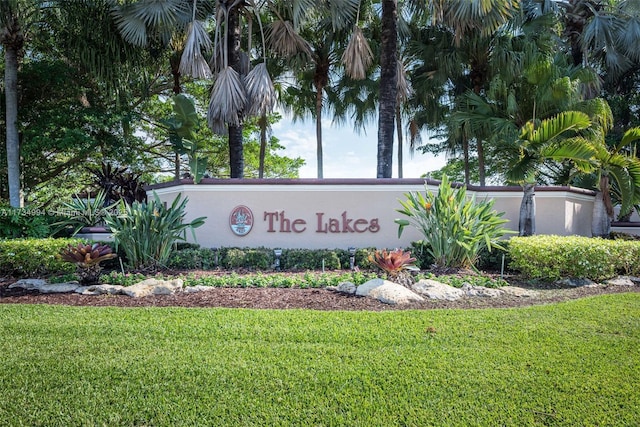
(602, 209)
(388, 88)
(465, 154)
(481, 167)
(236, 150)
(319, 154)
(600, 221)
(527, 223)
(399, 134)
(13, 140)
(174, 62)
(263, 145)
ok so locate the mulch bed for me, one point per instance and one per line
(292, 298)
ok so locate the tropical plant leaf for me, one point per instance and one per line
(261, 94)
(552, 128)
(228, 99)
(285, 41)
(192, 62)
(357, 57)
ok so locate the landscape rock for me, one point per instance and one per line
(387, 292)
(154, 287)
(45, 287)
(575, 282)
(480, 291)
(29, 284)
(621, 281)
(346, 288)
(100, 290)
(435, 290)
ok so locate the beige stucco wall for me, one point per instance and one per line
(344, 213)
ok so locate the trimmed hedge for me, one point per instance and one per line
(34, 257)
(555, 257)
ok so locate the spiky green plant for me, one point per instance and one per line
(455, 226)
(83, 212)
(146, 232)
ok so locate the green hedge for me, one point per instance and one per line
(34, 257)
(555, 257)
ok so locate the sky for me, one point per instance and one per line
(346, 154)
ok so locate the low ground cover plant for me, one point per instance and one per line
(555, 257)
(568, 364)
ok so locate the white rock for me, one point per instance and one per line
(346, 288)
(620, 281)
(480, 291)
(153, 287)
(59, 288)
(387, 292)
(100, 290)
(435, 290)
(44, 287)
(364, 289)
(29, 284)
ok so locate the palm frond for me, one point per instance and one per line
(403, 86)
(629, 136)
(261, 94)
(285, 40)
(552, 128)
(577, 149)
(192, 63)
(343, 13)
(357, 57)
(132, 29)
(228, 99)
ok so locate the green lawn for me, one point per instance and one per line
(570, 364)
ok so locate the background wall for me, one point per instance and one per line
(339, 213)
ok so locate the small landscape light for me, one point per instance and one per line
(278, 254)
(352, 257)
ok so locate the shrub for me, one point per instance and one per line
(25, 222)
(456, 227)
(34, 257)
(310, 259)
(258, 259)
(147, 231)
(493, 260)
(554, 257)
(194, 258)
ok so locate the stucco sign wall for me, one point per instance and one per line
(319, 214)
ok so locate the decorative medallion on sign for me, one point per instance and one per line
(241, 220)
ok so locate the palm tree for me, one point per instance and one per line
(388, 85)
(619, 165)
(15, 18)
(556, 139)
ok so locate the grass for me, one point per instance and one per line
(575, 363)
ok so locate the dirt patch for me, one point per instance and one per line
(314, 299)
